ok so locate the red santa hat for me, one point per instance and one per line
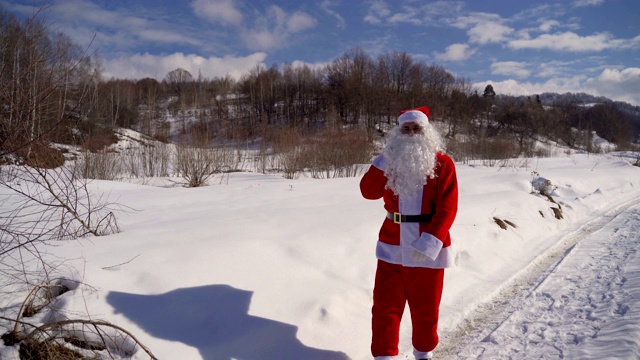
(418, 115)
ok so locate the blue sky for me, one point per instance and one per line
(521, 47)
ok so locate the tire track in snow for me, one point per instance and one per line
(521, 320)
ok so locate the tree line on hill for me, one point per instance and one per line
(51, 90)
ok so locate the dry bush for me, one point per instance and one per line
(489, 150)
(41, 296)
(43, 156)
(263, 160)
(80, 339)
(59, 200)
(329, 154)
(156, 160)
(42, 350)
(100, 165)
(198, 165)
(337, 153)
(131, 162)
(66, 339)
(499, 149)
(148, 161)
(288, 151)
(41, 207)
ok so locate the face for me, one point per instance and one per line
(411, 128)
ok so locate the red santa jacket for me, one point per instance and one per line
(425, 244)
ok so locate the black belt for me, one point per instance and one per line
(398, 218)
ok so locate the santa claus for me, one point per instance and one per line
(418, 184)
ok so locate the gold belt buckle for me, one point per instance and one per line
(397, 217)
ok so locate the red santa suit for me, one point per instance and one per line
(411, 256)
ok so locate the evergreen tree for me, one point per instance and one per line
(489, 92)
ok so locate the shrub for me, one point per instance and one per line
(99, 165)
(288, 151)
(338, 153)
(44, 157)
(198, 165)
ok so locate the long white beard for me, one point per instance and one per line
(411, 159)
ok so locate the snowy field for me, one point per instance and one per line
(261, 267)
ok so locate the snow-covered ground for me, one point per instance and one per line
(262, 267)
(585, 307)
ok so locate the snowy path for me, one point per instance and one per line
(585, 306)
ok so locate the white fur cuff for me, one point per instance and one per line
(428, 245)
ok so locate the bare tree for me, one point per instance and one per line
(39, 88)
(41, 201)
(349, 80)
(178, 81)
(438, 84)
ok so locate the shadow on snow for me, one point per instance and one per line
(215, 320)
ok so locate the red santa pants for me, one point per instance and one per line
(394, 286)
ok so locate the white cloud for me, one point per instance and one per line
(455, 52)
(618, 85)
(555, 68)
(223, 11)
(547, 25)
(85, 22)
(91, 13)
(326, 6)
(484, 28)
(275, 29)
(487, 32)
(569, 41)
(444, 8)
(27, 10)
(167, 36)
(378, 45)
(407, 17)
(623, 85)
(262, 39)
(139, 66)
(513, 87)
(378, 10)
(581, 3)
(511, 68)
(300, 21)
(411, 12)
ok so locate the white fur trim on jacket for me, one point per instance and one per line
(428, 245)
(380, 162)
(406, 256)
